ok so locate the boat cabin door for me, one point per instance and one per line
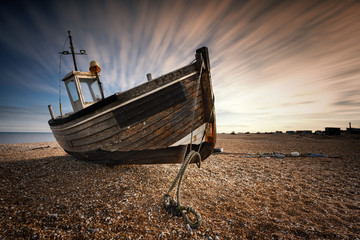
(83, 88)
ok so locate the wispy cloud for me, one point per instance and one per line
(277, 64)
(23, 119)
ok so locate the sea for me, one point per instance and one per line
(26, 137)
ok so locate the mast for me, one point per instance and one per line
(72, 51)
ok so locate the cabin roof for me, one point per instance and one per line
(70, 74)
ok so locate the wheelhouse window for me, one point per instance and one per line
(90, 89)
(73, 92)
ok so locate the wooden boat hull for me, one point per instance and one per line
(153, 123)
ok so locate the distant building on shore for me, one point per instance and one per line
(332, 131)
(303, 132)
(352, 130)
(319, 132)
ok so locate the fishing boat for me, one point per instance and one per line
(157, 122)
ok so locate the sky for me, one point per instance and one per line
(275, 65)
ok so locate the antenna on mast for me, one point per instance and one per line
(72, 51)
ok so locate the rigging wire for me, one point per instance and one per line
(60, 76)
(60, 86)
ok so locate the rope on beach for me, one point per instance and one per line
(176, 208)
(170, 205)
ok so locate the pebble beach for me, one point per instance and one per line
(254, 189)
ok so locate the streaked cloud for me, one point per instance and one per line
(276, 65)
(20, 119)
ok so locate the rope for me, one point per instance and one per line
(60, 78)
(170, 205)
(176, 208)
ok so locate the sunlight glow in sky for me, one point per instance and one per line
(276, 65)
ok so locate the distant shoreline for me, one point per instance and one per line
(26, 137)
(27, 132)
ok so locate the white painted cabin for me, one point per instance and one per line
(83, 89)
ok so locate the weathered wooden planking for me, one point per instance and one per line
(90, 131)
(84, 126)
(168, 96)
(208, 94)
(141, 129)
(66, 145)
(87, 114)
(170, 118)
(169, 131)
(130, 113)
(150, 105)
(164, 130)
(142, 108)
(96, 138)
(139, 136)
(123, 97)
(164, 125)
(202, 55)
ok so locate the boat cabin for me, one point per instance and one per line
(83, 88)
